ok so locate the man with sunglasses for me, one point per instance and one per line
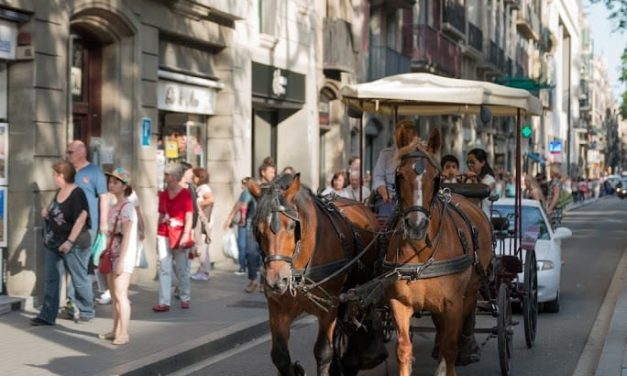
(92, 181)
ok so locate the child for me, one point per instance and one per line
(450, 169)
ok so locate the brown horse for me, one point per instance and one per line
(312, 250)
(441, 248)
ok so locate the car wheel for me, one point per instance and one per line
(554, 305)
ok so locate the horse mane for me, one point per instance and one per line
(275, 189)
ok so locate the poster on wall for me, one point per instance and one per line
(3, 217)
(4, 154)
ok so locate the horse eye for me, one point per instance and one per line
(291, 226)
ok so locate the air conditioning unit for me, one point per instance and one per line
(24, 53)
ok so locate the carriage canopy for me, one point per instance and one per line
(428, 94)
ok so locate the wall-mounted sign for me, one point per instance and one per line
(8, 39)
(555, 147)
(179, 97)
(146, 131)
(276, 83)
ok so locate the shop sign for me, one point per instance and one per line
(555, 147)
(279, 84)
(8, 40)
(179, 97)
(146, 131)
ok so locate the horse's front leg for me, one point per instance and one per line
(404, 352)
(449, 333)
(323, 350)
(280, 323)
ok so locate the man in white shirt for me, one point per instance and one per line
(352, 191)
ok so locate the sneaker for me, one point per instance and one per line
(69, 313)
(240, 272)
(252, 286)
(185, 304)
(105, 298)
(161, 308)
(200, 277)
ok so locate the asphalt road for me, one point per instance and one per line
(590, 256)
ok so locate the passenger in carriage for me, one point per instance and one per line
(479, 171)
(384, 174)
(450, 169)
(337, 185)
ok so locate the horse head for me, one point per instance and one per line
(417, 182)
(277, 227)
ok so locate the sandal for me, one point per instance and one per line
(107, 336)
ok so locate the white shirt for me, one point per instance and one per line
(485, 203)
(353, 194)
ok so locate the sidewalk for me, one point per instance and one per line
(221, 316)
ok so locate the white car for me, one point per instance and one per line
(548, 247)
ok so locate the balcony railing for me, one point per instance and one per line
(385, 61)
(528, 23)
(430, 50)
(338, 46)
(513, 4)
(475, 37)
(493, 54)
(454, 19)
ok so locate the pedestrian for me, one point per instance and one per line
(533, 191)
(67, 245)
(353, 189)
(121, 248)
(354, 165)
(205, 203)
(384, 173)
(479, 169)
(246, 242)
(553, 211)
(450, 169)
(337, 185)
(91, 180)
(174, 237)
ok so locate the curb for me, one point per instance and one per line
(187, 353)
(10, 304)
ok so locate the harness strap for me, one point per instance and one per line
(431, 268)
(471, 226)
(318, 272)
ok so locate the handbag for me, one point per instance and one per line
(105, 264)
(229, 245)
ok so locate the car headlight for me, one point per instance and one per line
(545, 265)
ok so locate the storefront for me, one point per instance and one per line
(185, 104)
(276, 95)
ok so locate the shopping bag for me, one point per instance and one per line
(229, 245)
(140, 259)
(98, 247)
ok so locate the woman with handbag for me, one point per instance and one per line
(118, 259)
(174, 237)
(204, 202)
(66, 240)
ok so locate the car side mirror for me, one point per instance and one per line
(562, 233)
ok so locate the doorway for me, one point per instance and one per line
(265, 139)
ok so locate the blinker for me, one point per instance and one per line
(419, 166)
(275, 223)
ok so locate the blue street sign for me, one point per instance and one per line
(146, 131)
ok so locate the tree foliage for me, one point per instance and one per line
(618, 12)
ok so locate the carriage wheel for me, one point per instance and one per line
(504, 329)
(530, 298)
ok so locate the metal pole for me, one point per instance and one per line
(518, 195)
(361, 157)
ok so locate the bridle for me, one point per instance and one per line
(419, 167)
(278, 208)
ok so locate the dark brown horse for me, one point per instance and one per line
(312, 250)
(441, 248)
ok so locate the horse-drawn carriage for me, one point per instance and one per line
(441, 252)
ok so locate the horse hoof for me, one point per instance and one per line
(298, 370)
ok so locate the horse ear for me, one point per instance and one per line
(293, 188)
(252, 187)
(435, 141)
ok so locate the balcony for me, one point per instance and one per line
(454, 19)
(474, 46)
(385, 61)
(338, 46)
(528, 23)
(431, 51)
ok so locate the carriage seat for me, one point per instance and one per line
(469, 190)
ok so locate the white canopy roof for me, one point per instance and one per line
(428, 94)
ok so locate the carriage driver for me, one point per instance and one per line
(384, 173)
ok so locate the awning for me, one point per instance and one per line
(428, 94)
(536, 158)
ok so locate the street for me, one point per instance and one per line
(590, 259)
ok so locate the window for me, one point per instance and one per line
(532, 219)
(267, 16)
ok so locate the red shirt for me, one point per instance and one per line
(175, 209)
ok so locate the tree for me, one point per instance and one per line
(618, 12)
(623, 107)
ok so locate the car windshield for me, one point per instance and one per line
(532, 219)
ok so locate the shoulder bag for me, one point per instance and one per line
(106, 262)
